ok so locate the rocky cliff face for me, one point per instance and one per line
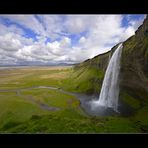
(134, 63)
(88, 75)
(100, 62)
(134, 67)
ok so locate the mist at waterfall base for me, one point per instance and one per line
(107, 103)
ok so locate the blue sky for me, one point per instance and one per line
(62, 38)
(127, 18)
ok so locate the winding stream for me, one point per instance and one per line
(84, 99)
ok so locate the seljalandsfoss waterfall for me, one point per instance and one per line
(107, 102)
(110, 88)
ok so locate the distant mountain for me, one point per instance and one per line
(38, 64)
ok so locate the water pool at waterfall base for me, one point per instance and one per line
(95, 109)
(90, 107)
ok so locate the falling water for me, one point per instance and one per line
(110, 88)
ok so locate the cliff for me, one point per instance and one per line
(134, 63)
(87, 77)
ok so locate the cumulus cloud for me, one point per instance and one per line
(61, 38)
(9, 43)
(28, 21)
(82, 40)
(66, 42)
(76, 23)
(11, 29)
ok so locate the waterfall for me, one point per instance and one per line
(110, 87)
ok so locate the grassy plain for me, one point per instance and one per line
(25, 109)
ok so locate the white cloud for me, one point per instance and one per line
(82, 40)
(66, 42)
(96, 34)
(45, 25)
(127, 33)
(11, 29)
(76, 23)
(130, 30)
(28, 21)
(9, 43)
(104, 30)
(52, 25)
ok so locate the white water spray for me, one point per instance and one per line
(110, 88)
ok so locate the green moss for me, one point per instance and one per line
(10, 124)
(141, 119)
(70, 121)
(52, 97)
(7, 93)
(16, 109)
(118, 124)
(64, 121)
(86, 80)
(129, 100)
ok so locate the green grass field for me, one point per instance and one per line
(24, 109)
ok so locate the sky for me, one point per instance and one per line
(54, 39)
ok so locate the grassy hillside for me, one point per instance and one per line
(25, 109)
(87, 77)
